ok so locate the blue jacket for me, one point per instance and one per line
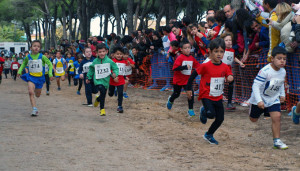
(264, 40)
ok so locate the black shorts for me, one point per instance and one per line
(255, 111)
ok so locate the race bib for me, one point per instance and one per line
(46, 68)
(102, 70)
(121, 67)
(86, 67)
(77, 71)
(15, 66)
(128, 70)
(20, 61)
(187, 72)
(216, 86)
(59, 70)
(274, 87)
(35, 66)
(69, 64)
(228, 58)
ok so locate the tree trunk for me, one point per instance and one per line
(106, 16)
(53, 27)
(117, 16)
(130, 16)
(40, 34)
(46, 31)
(217, 4)
(36, 30)
(136, 14)
(160, 14)
(27, 31)
(113, 25)
(172, 9)
(74, 29)
(64, 21)
(101, 25)
(145, 12)
(192, 10)
(78, 30)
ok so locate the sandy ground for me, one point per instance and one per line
(69, 136)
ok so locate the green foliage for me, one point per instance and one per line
(9, 33)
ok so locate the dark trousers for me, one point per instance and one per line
(15, 72)
(176, 94)
(120, 89)
(47, 82)
(214, 109)
(79, 83)
(230, 91)
(6, 71)
(101, 98)
(89, 89)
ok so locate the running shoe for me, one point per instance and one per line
(78, 93)
(169, 104)
(90, 105)
(191, 112)
(34, 112)
(58, 88)
(96, 103)
(295, 117)
(210, 138)
(125, 95)
(120, 109)
(102, 112)
(278, 144)
(230, 106)
(47, 93)
(203, 118)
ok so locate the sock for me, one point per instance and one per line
(275, 139)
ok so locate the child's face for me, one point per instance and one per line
(174, 47)
(35, 48)
(79, 60)
(69, 55)
(125, 56)
(194, 30)
(279, 60)
(15, 59)
(118, 55)
(102, 53)
(58, 55)
(134, 52)
(186, 49)
(88, 53)
(47, 55)
(228, 42)
(216, 55)
(112, 56)
(211, 33)
(154, 37)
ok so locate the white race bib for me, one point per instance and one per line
(46, 68)
(121, 67)
(77, 71)
(15, 66)
(228, 58)
(102, 70)
(187, 72)
(128, 70)
(86, 67)
(59, 70)
(20, 61)
(216, 86)
(69, 64)
(274, 87)
(35, 66)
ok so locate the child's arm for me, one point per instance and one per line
(242, 65)
(91, 72)
(24, 64)
(189, 85)
(47, 61)
(259, 81)
(282, 94)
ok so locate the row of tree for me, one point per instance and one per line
(75, 15)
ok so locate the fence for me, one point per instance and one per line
(159, 75)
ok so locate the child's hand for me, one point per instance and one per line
(18, 75)
(127, 79)
(116, 79)
(282, 99)
(87, 81)
(189, 94)
(51, 78)
(81, 76)
(188, 67)
(128, 62)
(230, 78)
(261, 105)
(242, 65)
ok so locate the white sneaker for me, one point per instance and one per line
(90, 105)
(278, 144)
(34, 112)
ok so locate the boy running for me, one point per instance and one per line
(14, 68)
(268, 92)
(130, 64)
(58, 66)
(47, 78)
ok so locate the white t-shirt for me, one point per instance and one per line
(268, 86)
(59, 60)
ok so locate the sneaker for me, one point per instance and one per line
(278, 144)
(47, 93)
(125, 95)
(169, 104)
(191, 112)
(120, 109)
(90, 105)
(78, 93)
(96, 103)
(245, 103)
(210, 138)
(58, 88)
(295, 117)
(34, 112)
(230, 106)
(102, 112)
(203, 118)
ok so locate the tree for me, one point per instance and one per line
(130, 15)
(117, 16)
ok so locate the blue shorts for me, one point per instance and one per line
(37, 81)
(255, 111)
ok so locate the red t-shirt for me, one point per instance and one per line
(15, 63)
(217, 30)
(131, 62)
(182, 77)
(216, 73)
(1, 65)
(202, 50)
(121, 64)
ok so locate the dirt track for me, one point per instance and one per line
(69, 136)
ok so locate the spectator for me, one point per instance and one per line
(297, 31)
(177, 31)
(211, 22)
(220, 19)
(210, 13)
(156, 42)
(261, 38)
(229, 12)
(165, 39)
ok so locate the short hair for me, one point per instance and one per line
(186, 20)
(80, 56)
(36, 41)
(44, 52)
(58, 51)
(101, 46)
(272, 3)
(174, 43)
(210, 9)
(216, 43)
(126, 51)
(176, 25)
(278, 50)
(220, 16)
(211, 19)
(118, 48)
(184, 42)
(228, 24)
(68, 53)
(167, 29)
(227, 34)
(86, 48)
(135, 47)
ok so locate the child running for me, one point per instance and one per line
(83, 70)
(268, 92)
(77, 80)
(14, 68)
(130, 64)
(35, 78)
(70, 67)
(182, 68)
(100, 72)
(47, 78)
(213, 74)
(296, 113)
(228, 59)
(58, 66)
